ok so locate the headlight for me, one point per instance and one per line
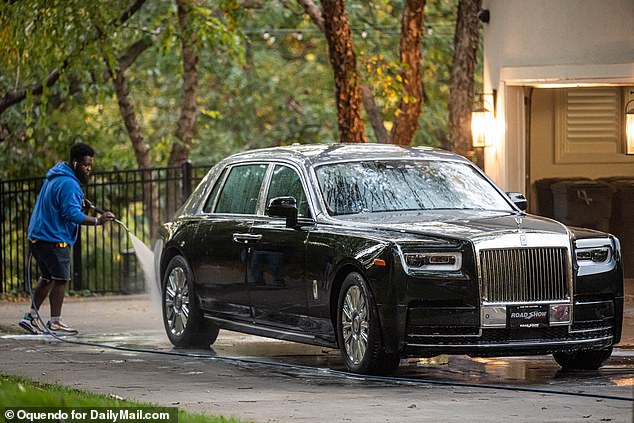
(595, 255)
(451, 261)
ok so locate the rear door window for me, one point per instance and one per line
(241, 190)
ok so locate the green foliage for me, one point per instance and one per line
(264, 77)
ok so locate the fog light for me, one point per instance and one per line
(559, 314)
(494, 316)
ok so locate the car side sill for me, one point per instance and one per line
(269, 332)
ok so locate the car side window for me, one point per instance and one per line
(214, 192)
(241, 190)
(286, 183)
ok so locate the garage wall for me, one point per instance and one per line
(544, 143)
(556, 32)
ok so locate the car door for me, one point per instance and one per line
(229, 213)
(276, 263)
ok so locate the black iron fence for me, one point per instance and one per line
(103, 257)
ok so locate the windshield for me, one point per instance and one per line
(386, 186)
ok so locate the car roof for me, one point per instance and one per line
(316, 154)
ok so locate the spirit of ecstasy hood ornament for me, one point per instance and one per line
(518, 220)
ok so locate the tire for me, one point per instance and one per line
(358, 330)
(184, 323)
(582, 360)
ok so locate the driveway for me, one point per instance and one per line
(262, 380)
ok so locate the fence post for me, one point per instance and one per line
(188, 173)
(77, 275)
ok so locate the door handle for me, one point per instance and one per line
(247, 238)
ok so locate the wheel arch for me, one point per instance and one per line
(337, 281)
(169, 252)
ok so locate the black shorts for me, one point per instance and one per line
(52, 259)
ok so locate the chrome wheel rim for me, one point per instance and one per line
(177, 301)
(355, 324)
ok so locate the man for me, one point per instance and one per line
(53, 229)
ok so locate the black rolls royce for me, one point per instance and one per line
(384, 252)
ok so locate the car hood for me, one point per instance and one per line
(473, 225)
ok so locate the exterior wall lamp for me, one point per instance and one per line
(629, 126)
(483, 119)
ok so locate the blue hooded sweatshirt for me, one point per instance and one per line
(57, 210)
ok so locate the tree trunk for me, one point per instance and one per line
(187, 121)
(141, 149)
(344, 65)
(128, 114)
(466, 41)
(374, 114)
(373, 111)
(410, 107)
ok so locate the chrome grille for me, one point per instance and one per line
(524, 275)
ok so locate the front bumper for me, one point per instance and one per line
(597, 325)
(494, 342)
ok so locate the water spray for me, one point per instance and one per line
(144, 255)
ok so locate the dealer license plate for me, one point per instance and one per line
(528, 316)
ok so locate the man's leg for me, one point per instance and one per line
(42, 289)
(30, 321)
(56, 299)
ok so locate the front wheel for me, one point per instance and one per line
(359, 331)
(184, 323)
(583, 360)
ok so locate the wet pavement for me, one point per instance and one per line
(263, 380)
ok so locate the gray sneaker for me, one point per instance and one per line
(60, 328)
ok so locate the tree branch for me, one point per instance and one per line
(16, 96)
(313, 12)
(130, 55)
(374, 114)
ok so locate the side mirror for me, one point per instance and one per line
(518, 199)
(285, 207)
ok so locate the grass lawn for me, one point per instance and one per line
(21, 392)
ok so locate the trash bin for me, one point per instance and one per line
(545, 194)
(132, 283)
(622, 221)
(609, 179)
(583, 203)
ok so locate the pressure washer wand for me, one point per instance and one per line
(92, 206)
(122, 225)
(102, 211)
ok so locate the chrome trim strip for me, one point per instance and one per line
(511, 344)
(590, 330)
(578, 303)
(257, 327)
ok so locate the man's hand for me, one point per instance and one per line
(106, 217)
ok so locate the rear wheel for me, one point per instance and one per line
(359, 331)
(583, 360)
(184, 323)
